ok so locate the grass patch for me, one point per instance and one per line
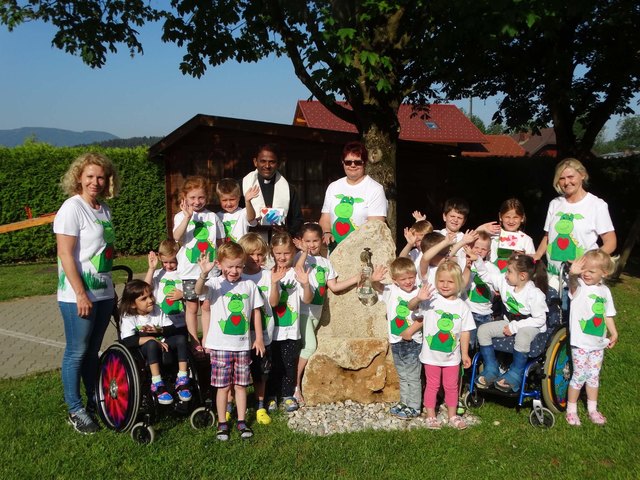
(40, 444)
(27, 280)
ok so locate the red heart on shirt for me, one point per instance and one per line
(108, 253)
(202, 246)
(443, 337)
(235, 319)
(322, 291)
(399, 322)
(597, 321)
(502, 264)
(280, 310)
(169, 301)
(342, 228)
(563, 243)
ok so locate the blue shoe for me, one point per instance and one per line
(397, 408)
(290, 404)
(407, 413)
(182, 388)
(272, 406)
(160, 391)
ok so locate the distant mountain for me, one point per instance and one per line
(52, 136)
(130, 142)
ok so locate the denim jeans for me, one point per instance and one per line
(478, 319)
(80, 360)
(406, 357)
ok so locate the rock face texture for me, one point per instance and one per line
(353, 360)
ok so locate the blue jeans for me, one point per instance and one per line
(406, 358)
(473, 334)
(84, 338)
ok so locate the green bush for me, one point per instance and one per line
(30, 175)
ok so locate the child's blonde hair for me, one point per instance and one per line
(168, 248)
(603, 258)
(569, 163)
(70, 182)
(431, 239)
(454, 269)
(228, 186)
(422, 227)
(252, 242)
(281, 239)
(193, 182)
(401, 266)
(230, 251)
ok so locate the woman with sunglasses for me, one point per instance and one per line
(352, 200)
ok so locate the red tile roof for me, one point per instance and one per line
(497, 146)
(543, 144)
(443, 123)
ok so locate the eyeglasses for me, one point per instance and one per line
(357, 163)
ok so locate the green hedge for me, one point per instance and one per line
(30, 175)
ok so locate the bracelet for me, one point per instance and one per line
(326, 233)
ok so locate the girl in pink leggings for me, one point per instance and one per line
(446, 326)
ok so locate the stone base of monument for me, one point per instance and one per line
(357, 369)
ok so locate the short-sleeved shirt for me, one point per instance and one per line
(287, 313)
(574, 228)
(232, 305)
(443, 322)
(320, 272)
(480, 294)
(399, 317)
(235, 224)
(349, 206)
(164, 283)
(131, 324)
(94, 250)
(262, 279)
(506, 243)
(201, 234)
(590, 305)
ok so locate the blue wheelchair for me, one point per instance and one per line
(123, 393)
(546, 375)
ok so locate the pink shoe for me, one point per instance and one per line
(597, 418)
(573, 419)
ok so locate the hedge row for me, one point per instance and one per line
(30, 176)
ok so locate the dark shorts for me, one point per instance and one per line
(261, 366)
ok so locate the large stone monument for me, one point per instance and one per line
(353, 360)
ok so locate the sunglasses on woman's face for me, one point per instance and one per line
(357, 163)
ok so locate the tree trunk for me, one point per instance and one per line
(382, 168)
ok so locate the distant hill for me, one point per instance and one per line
(130, 142)
(52, 136)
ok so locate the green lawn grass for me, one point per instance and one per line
(36, 442)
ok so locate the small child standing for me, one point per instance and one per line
(235, 220)
(144, 325)
(590, 318)
(511, 239)
(289, 287)
(455, 214)
(446, 324)
(257, 250)
(167, 286)
(199, 231)
(234, 303)
(398, 298)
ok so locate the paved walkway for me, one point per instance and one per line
(32, 336)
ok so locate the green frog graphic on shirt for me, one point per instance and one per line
(512, 304)
(168, 306)
(236, 323)
(443, 340)
(343, 225)
(103, 262)
(320, 293)
(228, 228)
(400, 322)
(202, 242)
(481, 293)
(565, 247)
(284, 315)
(595, 325)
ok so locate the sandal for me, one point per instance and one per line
(457, 422)
(223, 433)
(245, 430)
(297, 394)
(573, 419)
(597, 418)
(482, 383)
(503, 386)
(433, 423)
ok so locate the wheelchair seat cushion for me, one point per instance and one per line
(538, 344)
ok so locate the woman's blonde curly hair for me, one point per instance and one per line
(70, 182)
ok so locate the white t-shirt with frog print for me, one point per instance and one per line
(235, 224)
(399, 317)
(203, 230)
(262, 279)
(320, 272)
(287, 313)
(590, 304)
(130, 324)
(165, 282)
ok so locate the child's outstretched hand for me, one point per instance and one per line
(419, 216)
(469, 252)
(379, 272)
(152, 258)
(426, 292)
(469, 237)
(302, 275)
(186, 208)
(252, 193)
(278, 273)
(206, 265)
(409, 236)
(577, 267)
(492, 228)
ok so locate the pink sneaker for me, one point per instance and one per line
(597, 418)
(573, 419)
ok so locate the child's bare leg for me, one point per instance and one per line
(302, 363)
(221, 402)
(241, 401)
(205, 316)
(182, 366)
(592, 393)
(191, 318)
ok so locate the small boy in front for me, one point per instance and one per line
(397, 297)
(234, 303)
(236, 220)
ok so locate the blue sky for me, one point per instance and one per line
(145, 95)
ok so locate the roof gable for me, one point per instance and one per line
(497, 146)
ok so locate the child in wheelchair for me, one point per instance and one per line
(521, 291)
(144, 325)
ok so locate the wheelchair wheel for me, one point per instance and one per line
(202, 417)
(118, 388)
(143, 434)
(473, 400)
(557, 372)
(542, 419)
